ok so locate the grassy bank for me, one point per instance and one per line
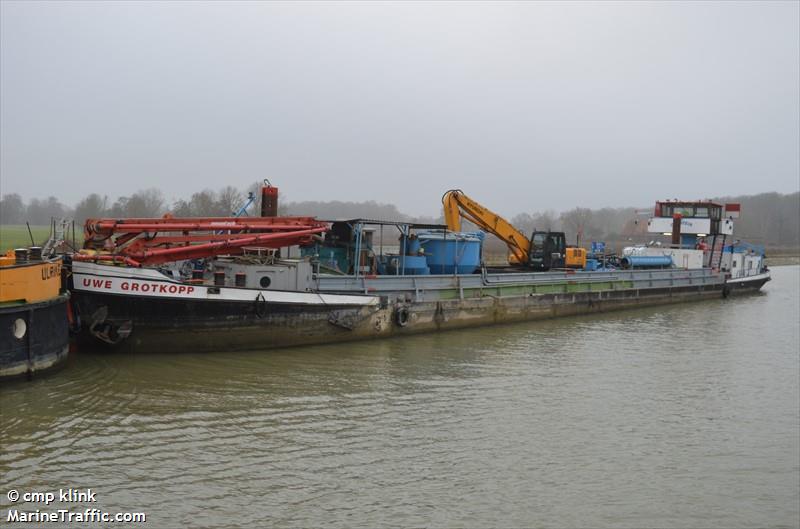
(782, 256)
(783, 260)
(16, 236)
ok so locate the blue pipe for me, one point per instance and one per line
(646, 261)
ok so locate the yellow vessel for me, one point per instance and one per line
(34, 326)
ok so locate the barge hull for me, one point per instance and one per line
(177, 325)
(35, 337)
(160, 325)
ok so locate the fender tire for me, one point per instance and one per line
(401, 316)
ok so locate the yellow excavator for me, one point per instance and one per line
(543, 250)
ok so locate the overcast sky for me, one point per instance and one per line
(525, 106)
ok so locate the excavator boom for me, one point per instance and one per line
(457, 204)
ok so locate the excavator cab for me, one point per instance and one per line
(548, 249)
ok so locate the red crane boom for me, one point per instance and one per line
(151, 241)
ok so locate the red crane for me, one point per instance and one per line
(151, 241)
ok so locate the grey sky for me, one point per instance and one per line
(526, 106)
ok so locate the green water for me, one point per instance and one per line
(679, 416)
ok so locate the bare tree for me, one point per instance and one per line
(546, 221)
(204, 204)
(229, 200)
(181, 208)
(12, 209)
(39, 212)
(90, 207)
(577, 222)
(119, 208)
(146, 203)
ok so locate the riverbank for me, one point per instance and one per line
(17, 236)
(782, 260)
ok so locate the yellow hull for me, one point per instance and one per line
(34, 324)
(30, 282)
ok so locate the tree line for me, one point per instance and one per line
(144, 203)
(772, 219)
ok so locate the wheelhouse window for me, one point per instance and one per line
(691, 211)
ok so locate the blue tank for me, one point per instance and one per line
(452, 252)
(592, 265)
(411, 265)
(411, 245)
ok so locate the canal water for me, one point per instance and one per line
(680, 416)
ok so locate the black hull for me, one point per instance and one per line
(175, 325)
(745, 286)
(43, 345)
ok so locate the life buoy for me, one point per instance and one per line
(401, 316)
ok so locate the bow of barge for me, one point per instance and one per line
(34, 328)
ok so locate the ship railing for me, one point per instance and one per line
(638, 278)
(617, 275)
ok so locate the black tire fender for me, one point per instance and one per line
(401, 316)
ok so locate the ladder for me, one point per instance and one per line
(717, 246)
(59, 231)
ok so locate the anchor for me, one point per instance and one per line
(108, 331)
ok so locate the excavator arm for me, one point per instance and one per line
(457, 205)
